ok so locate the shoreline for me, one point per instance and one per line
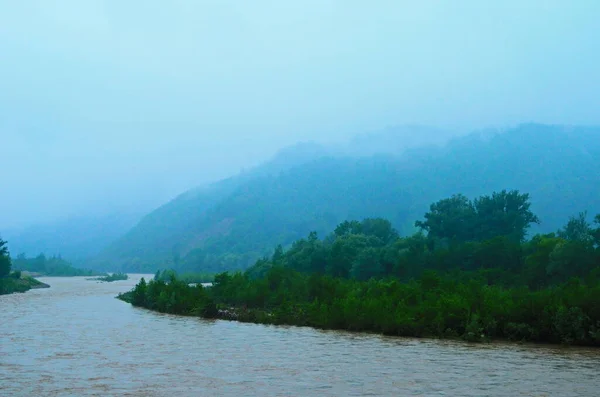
(10, 285)
(254, 316)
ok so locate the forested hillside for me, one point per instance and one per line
(232, 223)
(469, 272)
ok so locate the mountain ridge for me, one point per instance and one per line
(326, 188)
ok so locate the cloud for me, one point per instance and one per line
(105, 104)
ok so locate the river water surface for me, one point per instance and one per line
(76, 339)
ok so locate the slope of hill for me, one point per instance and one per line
(160, 235)
(231, 223)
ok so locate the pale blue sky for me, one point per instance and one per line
(111, 105)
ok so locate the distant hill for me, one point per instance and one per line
(160, 237)
(229, 224)
(82, 238)
(76, 238)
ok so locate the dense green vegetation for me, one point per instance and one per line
(112, 277)
(17, 282)
(11, 282)
(233, 223)
(471, 273)
(52, 266)
(190, 278)
(175, 296)
(5, 262)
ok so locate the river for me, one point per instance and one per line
(75, 339)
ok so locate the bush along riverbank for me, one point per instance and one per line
(16, 282)
(111, 277)
(432, 306)
(175, 296)
(472, 276)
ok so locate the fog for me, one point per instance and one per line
(113, 106)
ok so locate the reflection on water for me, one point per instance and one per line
(76, 339)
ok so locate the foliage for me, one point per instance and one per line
(13, 282)
(577, 229)
(190, 278)
(5, 262)
(364, 277)
(433, 305)
(16, 282)
(175, 297)
(232, 224)
(112, 277)
(451, 218)
(458, 219)
(49, 266)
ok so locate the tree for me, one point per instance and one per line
(569, 259)
(307, 255)
(380, 228)
(406, 257)
(5, 263)
(451, 218)
(499, 252)
(348, 227)
(278, 255)
(39, 263)
(577, 229)
(596, 232)
(538, 251)
(345, 250)
(367, 264)
(138, 297)
(504, 214)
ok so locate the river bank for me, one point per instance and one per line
(433, 307)
(270, 317)
(11, 285)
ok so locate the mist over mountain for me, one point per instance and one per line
(170, 223)
(77, 238)
(80, 238)
(230, 223)
(397, 140)
(111, 107)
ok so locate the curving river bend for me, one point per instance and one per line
(76, 339)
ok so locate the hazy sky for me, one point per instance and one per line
(112, 105)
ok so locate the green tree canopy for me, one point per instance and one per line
(458, 219)
(451, 218)
(505, 213)
(5, 263)
(577, 229)
(596, 232)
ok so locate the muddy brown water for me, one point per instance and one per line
(75, 339)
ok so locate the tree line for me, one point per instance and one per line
(469, 272)
(54, 265)
(5, 261)
(13, 281)
(188, 277)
